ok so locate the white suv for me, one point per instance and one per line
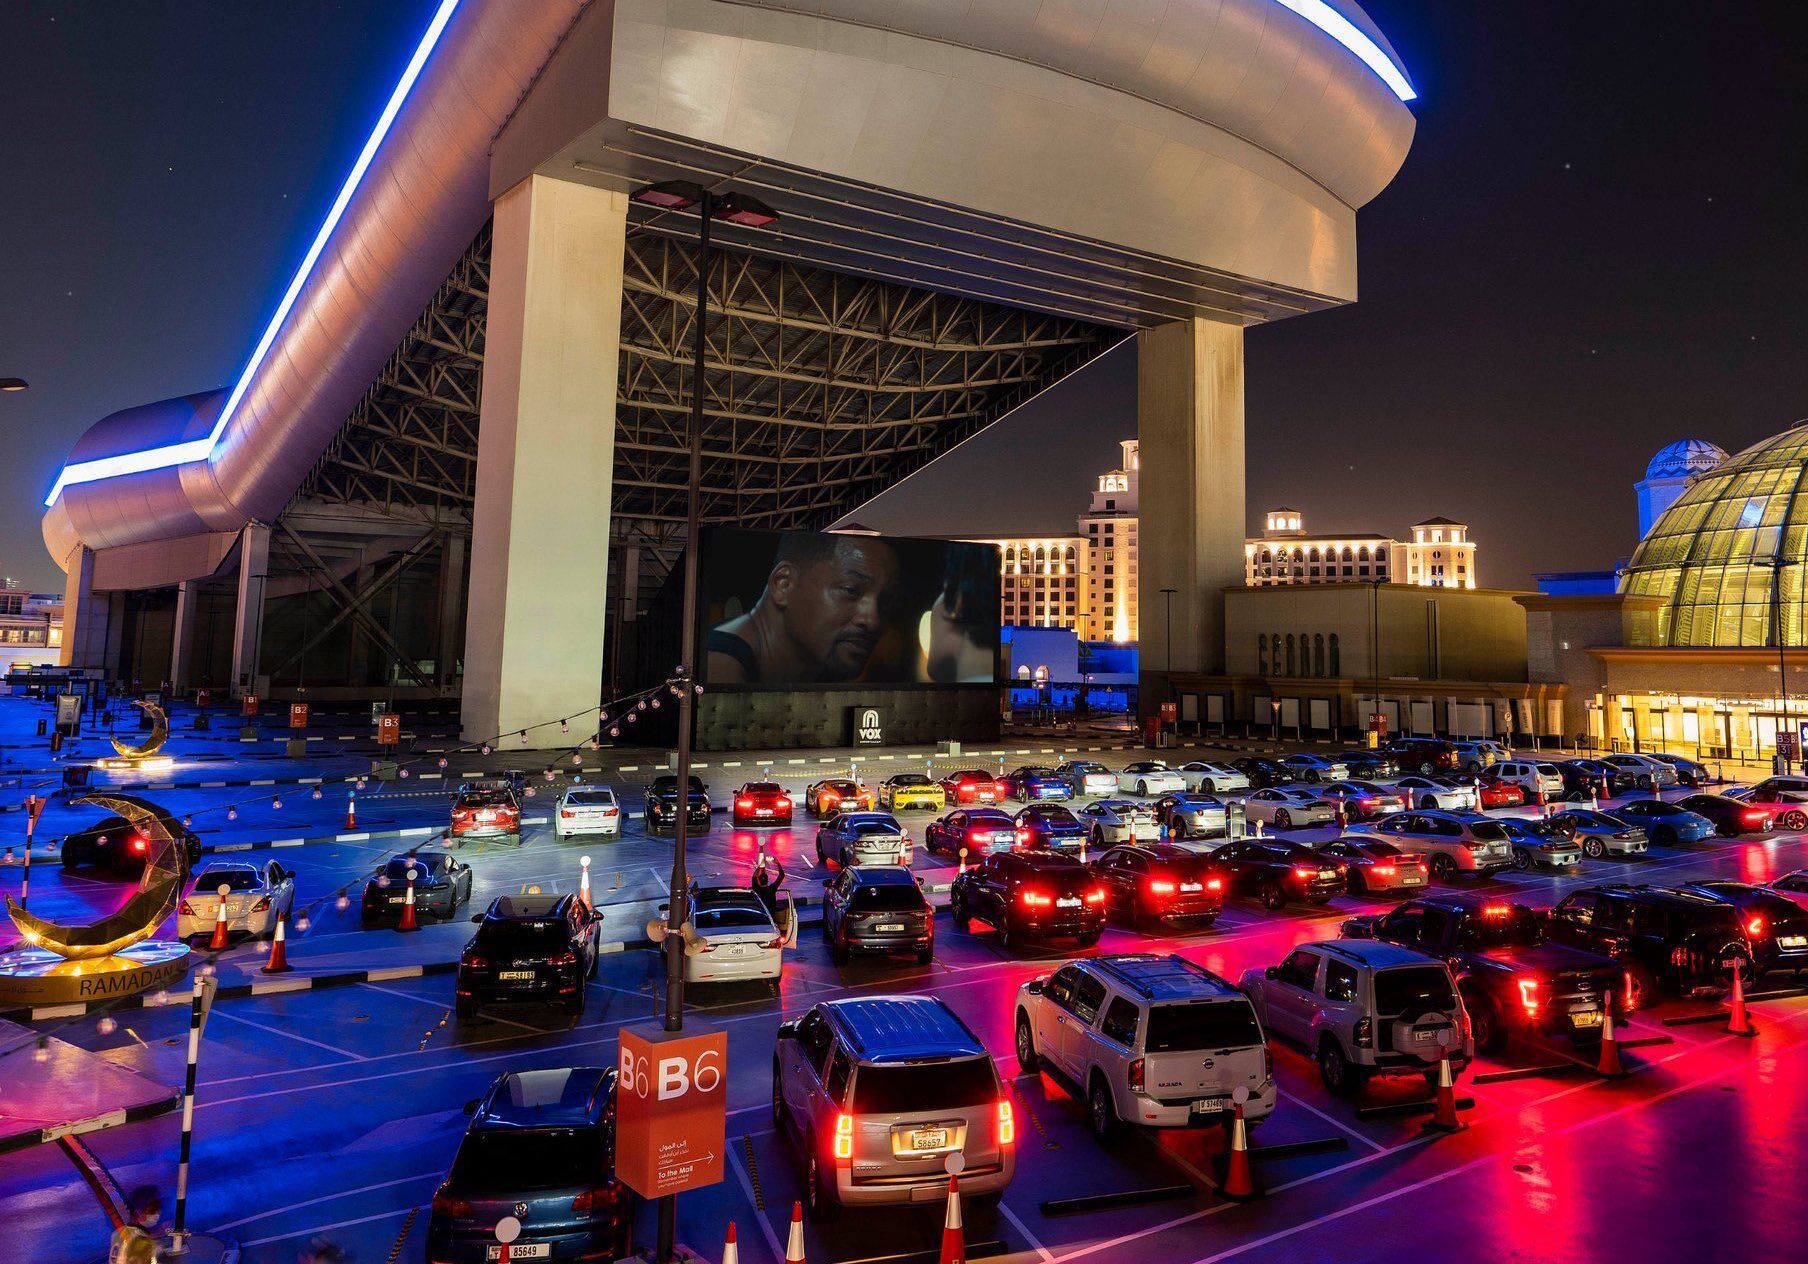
(1533, 778)
(1155, 1041)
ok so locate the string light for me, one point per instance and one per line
(564, 727)
(316, 793)
(276, 801)
(107, 1025)
(442, 761)
(655, 704)
(615, 730)
(232, 814)
(486, 748)
(343, 902)
(524, 737)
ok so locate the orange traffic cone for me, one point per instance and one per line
(1609, 1063)
(584, 882)
(954, 1238)
(219, 923)
(963, 861)
(1444, 1118)
(351, 810)
(279, 949)
(794, 1244)
(1738, 1022)
(408, 921)
(1239, 1178)
(731, 1254)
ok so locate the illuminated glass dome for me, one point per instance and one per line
(1710, 555)
(1685, 458)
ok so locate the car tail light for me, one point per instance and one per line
(1305, 871)
(743, 803)
(565, 959)
(783, 802)
(461, 814)
(1096, 895)
(1037, 899)
(1023, 836)
(1499, 910)
(844, 1136)
(1628, 992)
(565, 814)
(262, 905)
(1382, 871)
(139, 844)
(1365, 1033)
(592, 1201)
(187, 909)
(475, 961)
(447, 1204)
(1158, 887)
(1007, 1124)
(1754, 927)
(1528, 996)
(1216, 884)
(1136, 1076)
(1267, 1063)
(610, 812)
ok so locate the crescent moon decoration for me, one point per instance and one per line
(135, 920)
(153, 744)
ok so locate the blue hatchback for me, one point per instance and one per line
(1666, 823)
(541, 1148)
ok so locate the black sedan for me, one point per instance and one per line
(1262, 772)
(1731, 818)
(120, 848)
(441, 886)
(1277, 873)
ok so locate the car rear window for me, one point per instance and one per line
(729, 919)
(231, 879)
(874, 827)
(523, 937)
(1412, 989)
(902, 1088)
(1488, 832)
(910, 779)
(590, 798)
(1202, 1025)
(399, 866)
(484, 799)
(890, 895)
(529, 1159)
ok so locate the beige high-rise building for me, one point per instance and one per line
(1440, 554)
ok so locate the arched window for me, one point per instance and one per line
(1261, 653)
(1071, 556)
(1362, 554)
(1290, 670)
(1346, 552)
(1380, 554)
(1266, 556)
(1336, 659)
(1318, 654)
(1274, 661)
(1312, 554)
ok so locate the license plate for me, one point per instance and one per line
(515, 976)
(522, 1251)
(891, 927)
(486, 818)
(1793, 941)
(1327, 874)
(1587, 1018)
(1413, 880)
(1067, 901)
(1209, 1106)
(1192, 886)
(397, 899)
(929, 1139)
(763, 812)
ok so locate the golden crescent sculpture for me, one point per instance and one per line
(159, 734)
(140, 916)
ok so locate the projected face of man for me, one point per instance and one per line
(832, 607)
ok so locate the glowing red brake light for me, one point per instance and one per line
(1528, 995)
(1306, 871)
(593, 1200)
(445, 1204)
(844, 1136)
(139, 844)
(1216, 884)
(1498, 910)
(1096, 895)
(187, 909)
(1036, 899)
(743, 803)
(1135, 1076)
(1382, 871)
(783, 802)
(1751, 817)
(1754, 927)
(1007, 1124)
(1160, 887)
(1023, 836)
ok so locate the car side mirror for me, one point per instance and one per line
(1033, 987)
(477, 917)
(788, 1030)
(471, 1107)
(1271, 972)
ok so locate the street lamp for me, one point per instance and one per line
(1375, 649)
(1775, 564)
(732, 208)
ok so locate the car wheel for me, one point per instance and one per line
(1340, 1078)
(925, 955)
(1142, 789)
(824, 1206)
(1089, 940)
(1443, 868)
(1101, 1112)
(957, 913)
(1793, 820)
(1208, 785)
(1644, 781)
(1428, 804)
(1098, 836)
(1484, 1025)
(1005, 939)
(838, 952)
(822, 861)
(1027, 1062)
(1522, 859)
(1357, 883)
(464, 1011)
(1594, 848)
(1426, 769)
(1273, 898)
(780, 1123)
(1283, 819)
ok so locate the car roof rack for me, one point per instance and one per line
(1144, 973)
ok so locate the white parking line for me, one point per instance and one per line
(1041, 1251)
(778, 1252)
(222, 1012)
(312, 1230)
(327, 1198)
(1334, 1122)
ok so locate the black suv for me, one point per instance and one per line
(1668, 941)
(662, 807)
(1278, 873)
(1161, 884)
(1776, 927)
(1263, 773)
(877, 908)
(1030, 895)
(1510, 977)
(528, 948)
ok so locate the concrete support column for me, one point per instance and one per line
(182, 634)
(248, 613)
(1189, 418)
(451, 610)
(546, 456)
(86, 616)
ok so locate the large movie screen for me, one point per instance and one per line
(781, 609)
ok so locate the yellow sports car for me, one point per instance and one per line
(912, 792)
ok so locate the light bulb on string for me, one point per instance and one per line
(486, 748)
(276, 801)
(232, 814)
(564, 727)
(302, 923)
(316, 793)
(442, 761)
(107, 1025)
(615, 730)
(524, 737)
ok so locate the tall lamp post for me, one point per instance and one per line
(731, 208)
(1775, 564)
(1375, 651)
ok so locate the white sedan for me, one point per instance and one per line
(1284, 807)
(1210, 778)
(735, 940)
(257, 897)
(1149, 777)
(1424, 793)
(587, 810)
(1112, 821)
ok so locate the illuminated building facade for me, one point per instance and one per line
(1440, 554)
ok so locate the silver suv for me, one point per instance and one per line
(1451, 842)
(876, 1092)
(1363, 1008)
(1154, 1041)
(852, 839)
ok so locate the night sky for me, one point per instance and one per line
(1596, 246)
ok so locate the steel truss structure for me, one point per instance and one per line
(821, 389)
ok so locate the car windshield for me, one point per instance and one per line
(729, 918)
(1055, 816)
(484, 799)
(912, 1087)
(231, 879)
(989, 817)
(1500, 926)
(1090, 768)
(526, 1159)
(1202, 1025)
(887, 895)
(1413, 990)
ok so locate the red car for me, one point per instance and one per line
(971, 786)
(485, 808)
(1501, 794)
(762, 803)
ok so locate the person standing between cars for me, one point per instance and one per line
(768, 876)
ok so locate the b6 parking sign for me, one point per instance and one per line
(671, 1117)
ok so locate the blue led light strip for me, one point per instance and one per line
(202, 449)
(1357, 40)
